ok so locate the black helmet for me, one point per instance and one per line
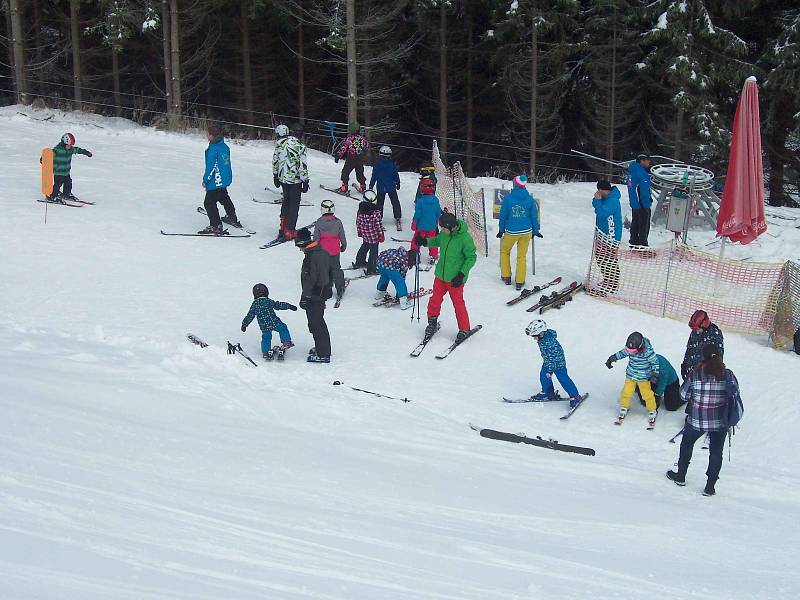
(635, 342)
(303, 237)
(448, 220)
(260, 290)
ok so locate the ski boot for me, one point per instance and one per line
(406, 303)
(520, 286)
(362, 188)
(506, 280)
(677, 477)
(381, 295)
(212, 230)
(313, 358)
(270, 354)
(431, 328)
(399, 223)
(709, 489)
(231, 221)
(574, 401)
(343, 188)
(462, 335)
(312, 352)
(622, 413)
(651, 419)
(280, 353)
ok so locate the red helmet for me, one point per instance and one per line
(699, 320)
(426, 186)
(68, 139)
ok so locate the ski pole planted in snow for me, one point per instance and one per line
(369, 392)
(676, 436)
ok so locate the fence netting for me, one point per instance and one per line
(457, 196)
(673, 280)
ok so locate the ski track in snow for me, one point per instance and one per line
(136, 465)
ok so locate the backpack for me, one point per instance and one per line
(734, 409)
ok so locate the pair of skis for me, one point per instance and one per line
(526, 293)
(278, 201)
(202, 211)
(72, 201)
(389, 300)
(557, 398)
(421, 346)
(651, 424)
(556, 299)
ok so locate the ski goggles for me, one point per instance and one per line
(631, 350)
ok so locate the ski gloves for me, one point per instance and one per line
(304, 187)
(458, 280)
(292, 307)
(303, 303)
(610, 362)
(87, 153)
(539, 235)
(500, 234)
(420, 241)
(276, 181)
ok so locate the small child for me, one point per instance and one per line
(553, 363)
(264, 308)
(642, 372)
(329, 232)
(62, 164)
(426, 217)
(370, 230)
(425, 172)
(385, 174)
(393, 264)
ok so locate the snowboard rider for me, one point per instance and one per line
(217, 176)
(290, 173)
(263, 308)
(553, 363)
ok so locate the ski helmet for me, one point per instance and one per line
(370, 196)
(326, 207)
(282, 130)
(426, 186)
(448, 220)
(536, 327)
(642, 157)
(260, 291)
(303, 238)
(68, 139)
(385, 151)
(635, 343)
(699, 320)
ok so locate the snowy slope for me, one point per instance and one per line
(135, 465)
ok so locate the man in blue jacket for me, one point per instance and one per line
(519, 222)
(217, 176)
(385, 174)
(608, 219)
(639, 196)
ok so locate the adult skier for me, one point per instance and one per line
(704, 332)
(315, 280)
(457, 256)
(353, 150)
(640, 199)
(217, 176)
(608, 219)
(62, 166)
(385, 174)
(519, 221)
(290, 173)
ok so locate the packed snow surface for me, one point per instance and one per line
(134, 465)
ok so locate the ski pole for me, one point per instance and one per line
(675, 437)
(369, 392)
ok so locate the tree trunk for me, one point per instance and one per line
(18, 43)
(365, 86)
(75, 38)
(165, 33)
(612, 94)
(352, 82)
(115, 77)
(779, 127)
(443, 79)
(175, 58)
(534, 94)
(301, 84)
(39, 39)
(468, 92)
(247, 72)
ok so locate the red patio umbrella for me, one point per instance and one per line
(741, 212)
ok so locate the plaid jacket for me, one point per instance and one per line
(707, 399)
(369, 224)
(395, 259)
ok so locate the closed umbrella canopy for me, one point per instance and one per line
(741, 212)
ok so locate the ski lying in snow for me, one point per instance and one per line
(337, 191)
(562, 299)
(526, 293)
(389, 300)
(202, 211)
(421, 346)
(60, 203)
(537, 441)
(553, 297)
(574, 408)
(396, 239)
(225, 234)
(237, 349)
(457, 343)
(196, 340)
(277, 201)
(533, 399)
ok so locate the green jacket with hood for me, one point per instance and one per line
(456, 252)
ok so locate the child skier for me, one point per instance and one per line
(426, 215)
(263, 307)
(218, 175)
(385, 174)
(642, 372)
(329, 232)
(353, 149)
(62, 165)
(553, 363)
(426, 172)
(393, 264)
(370, 230)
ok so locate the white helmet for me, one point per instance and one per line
(326, 207)
(385, 151)
(370, 196)
(281, 130)
(536, 327)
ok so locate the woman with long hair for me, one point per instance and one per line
(707, 392)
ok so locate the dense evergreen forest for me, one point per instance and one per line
(503, 86)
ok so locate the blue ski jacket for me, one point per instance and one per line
(608, 214)
(264, 309)
(427, 212)
(552, 353)
(385, 174)
(638, 186)
(218, 173)
(640, 365)
(518, 213)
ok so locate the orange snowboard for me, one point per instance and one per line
(47, 171)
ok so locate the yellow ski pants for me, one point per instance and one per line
(645, 389)
(506, 244)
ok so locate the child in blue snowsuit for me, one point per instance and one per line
(264, 309)
(553, 363)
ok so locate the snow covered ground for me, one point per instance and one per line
(135, 465)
